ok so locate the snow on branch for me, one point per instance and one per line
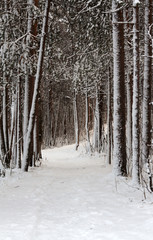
(135, 2)
(88, 8)
(116, 10)
(149, 33)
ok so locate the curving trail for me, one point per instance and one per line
(72, 197)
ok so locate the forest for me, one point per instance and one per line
(73, 71)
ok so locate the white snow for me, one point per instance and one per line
(135, 2)
(72, 197)
(119, 1)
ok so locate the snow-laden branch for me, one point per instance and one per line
(10, 44)
(116, 10)
(87, 8)
(20, 38)
(149, 33)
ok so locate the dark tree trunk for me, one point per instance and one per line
(119, 92)
(36, 88)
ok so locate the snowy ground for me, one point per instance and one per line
(72, 197)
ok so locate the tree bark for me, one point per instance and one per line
(129, 121)
(109, 121)
(2, 142)
(5, 124)
(119, 153)
(36, 87)
(19, 123)
(146, 124)
(76, 125)
(135, 106)
(97, 123)
(88, 146)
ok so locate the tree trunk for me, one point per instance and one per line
(5, 124)
(109, 121)
(129, 122)
(135, 107)
(27, 94)
(76, 125)
(2, 142)
(119, 92)
(96, 124)
(56, 121)
(19, 124)
(35, 143)
(36, 87)
(75, 102)
(30, 78)
(12, 142)
(146, 124)
(88, 146)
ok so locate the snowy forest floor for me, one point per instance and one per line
(72, 197)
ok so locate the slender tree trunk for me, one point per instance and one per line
(96, 123)
(129, 122)
(88, 147)
(2, 142)
(13, 138)
(37, 132)
(36, 87)
(119, 92)
(49, 117)
(56, 122)
(19, 124)
(27, 104)
(5, 123)
(109, 121)
(35, 143)
(76, 125)
(75, 100)
(26, 108)
(101, 107)
(128, 29)
(39, 129)
(146, 124)
(12, 142)
(135, 107)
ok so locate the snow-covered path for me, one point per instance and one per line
(72, 197)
